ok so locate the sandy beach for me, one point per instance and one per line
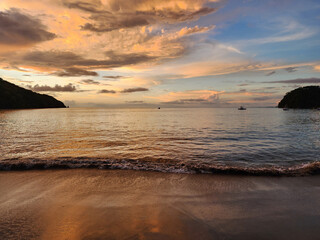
(120, 204)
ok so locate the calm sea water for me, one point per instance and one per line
(211, 140)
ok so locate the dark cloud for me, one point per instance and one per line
(135, 102)
(21, 29)
(90, 82)
(71, 64)
(270, 73)
(298, 81)
(268, 88)
(87, 6)
(52, 58)
(291, 69)
(66, 60)
(56, 88)
(107, 91)
(264, 98)
(74, 72)
(131, 90)
(171, 16)
(118, 60)
(107, 25)
(265, 90)
(106, 21)
(113, 78)
(125, 14)
(173, 102)
(187, 101)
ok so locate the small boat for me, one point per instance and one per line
(242, 108)
(285, 109)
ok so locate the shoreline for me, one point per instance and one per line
(98, 163)
(128, 204)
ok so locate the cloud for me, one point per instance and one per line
(56, 88)
(131, 90)
(290, 69)
(107, 25)
(189, 96)
(78, 53)
(74, 72)
(187, 31)
(298, 81)
(84, 5)
(107, 91)
(271, 66)
(125, 59)
(122, 14)
(69, 64)
(135, 102)
(211, 68)
(264, 98)
(213, 99)
(288, 30)
(270, 73)
(188, 101)
(113, 77)
(68, 59)
(90, 82)
(194, 98)
(19, 29)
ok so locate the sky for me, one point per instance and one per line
(146, 53)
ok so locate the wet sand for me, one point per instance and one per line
(120, 204)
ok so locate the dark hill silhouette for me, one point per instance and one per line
(14, 97)
(304, 97)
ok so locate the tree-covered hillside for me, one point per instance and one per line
(304, 97)
(14, 97)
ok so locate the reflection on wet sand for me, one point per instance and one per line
(93, 204)
(138, 222)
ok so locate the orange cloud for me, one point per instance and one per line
(66, 20)
(187, 31)
(192, 94)
(20, 29)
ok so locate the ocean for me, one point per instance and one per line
(258, 141)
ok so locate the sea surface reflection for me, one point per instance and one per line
(162, 139)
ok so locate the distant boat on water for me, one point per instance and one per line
(242, 108)
(285, 109)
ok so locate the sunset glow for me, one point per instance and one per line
(146, 53)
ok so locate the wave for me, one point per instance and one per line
(305, 169)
